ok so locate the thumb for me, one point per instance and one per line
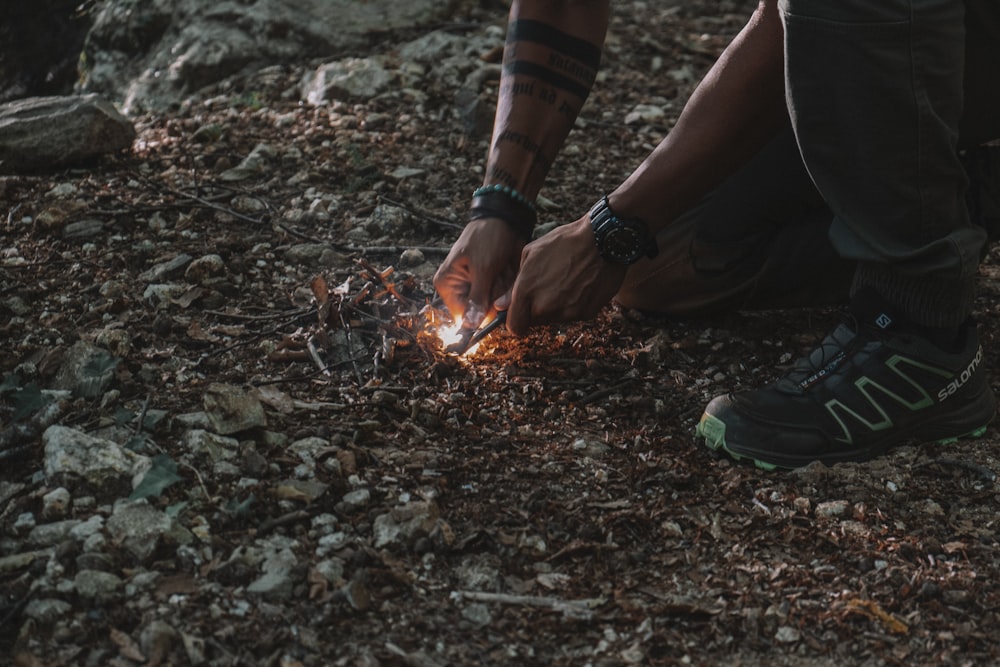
(503, 303)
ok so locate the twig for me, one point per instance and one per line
(314, 353)
(299, 312)
(350, 344)
(605, 391)
(142, 416)
(423, 216)
(569, 607)
(201, 482)
(291, 517)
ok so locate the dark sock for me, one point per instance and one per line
(869, 309)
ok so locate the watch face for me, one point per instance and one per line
(622, 245)
(621, 241)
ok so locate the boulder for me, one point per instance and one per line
(48, 132)
(151, 55)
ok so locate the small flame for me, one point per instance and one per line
(449, 334)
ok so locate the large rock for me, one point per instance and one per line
(150, 55)
(47, 132)
(72, 456)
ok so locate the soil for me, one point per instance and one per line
(567, 515)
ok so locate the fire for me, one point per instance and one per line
(449, 335)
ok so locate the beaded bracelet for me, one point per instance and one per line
(505, 190)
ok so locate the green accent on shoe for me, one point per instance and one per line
(714, 432)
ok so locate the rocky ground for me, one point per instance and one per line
(229, 434)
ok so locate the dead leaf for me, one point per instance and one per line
(273, 397)
(127, 646)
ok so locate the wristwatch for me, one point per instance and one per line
(620, 240)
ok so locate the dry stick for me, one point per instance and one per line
(258, 335)
(291, 517)
(606, 391)
(298, 312)
(201, 482)
(556, 604)
(420, 214)
(350, 343)
(142, 416)
(314, 353)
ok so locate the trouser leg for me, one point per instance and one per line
(875, 94)
(760, 240)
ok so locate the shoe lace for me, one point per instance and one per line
(825, 358)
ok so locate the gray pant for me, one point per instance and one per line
(881, 94)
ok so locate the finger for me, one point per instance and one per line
(454, 291)
(518, 310)
(479, 302)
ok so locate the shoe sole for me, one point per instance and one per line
(713, 430)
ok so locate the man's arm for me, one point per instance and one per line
(733, 113)
(551, 56)
(736, 109)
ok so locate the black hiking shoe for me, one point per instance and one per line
(869, 386)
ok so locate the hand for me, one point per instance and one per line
(480, 267)
(562, 278)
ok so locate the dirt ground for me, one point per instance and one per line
(552, 504)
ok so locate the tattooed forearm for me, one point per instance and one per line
(549, 76)
(583, 52)
(526, 143)
(545, 63)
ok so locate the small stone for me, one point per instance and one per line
(47, 611)
(56, 503)
(590, 447)
(86, 370)
(24, 523)
(276, 582)
(254, 164)
(138, 527)
(216, 447)
(96, 585)
(411, 257)
(83, 230)
(314, 255)
(477, 613)
(51, 534)
(203, 268)
(158, 272)
(355, 500)
(332, 570)
(831, 509)
(232, 409)
(787, 635)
